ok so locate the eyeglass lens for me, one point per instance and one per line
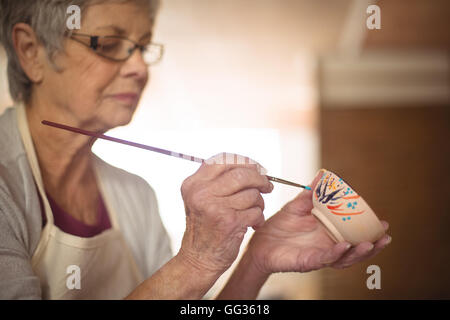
(120, 49)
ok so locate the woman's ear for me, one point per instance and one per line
(29, 51)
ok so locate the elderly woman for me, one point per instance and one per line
(73, 226)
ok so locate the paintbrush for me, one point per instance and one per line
(154, 149)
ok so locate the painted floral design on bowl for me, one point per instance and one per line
(339, 198)
(344, 213)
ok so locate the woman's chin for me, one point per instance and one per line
(121, 119)
(117, 118)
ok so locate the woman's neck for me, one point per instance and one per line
(64, 157)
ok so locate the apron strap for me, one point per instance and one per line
(32, 159)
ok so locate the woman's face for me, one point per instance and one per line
(92, 91)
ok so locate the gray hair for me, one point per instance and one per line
(48, 20)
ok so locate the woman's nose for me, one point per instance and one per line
(135, 66)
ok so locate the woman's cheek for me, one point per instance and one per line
(92, 88)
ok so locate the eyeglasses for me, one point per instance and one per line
(119, 48)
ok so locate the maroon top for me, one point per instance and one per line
(70, 225)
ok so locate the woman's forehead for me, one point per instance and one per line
(121, 18)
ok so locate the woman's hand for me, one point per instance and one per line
(221, 200)
(294, 240)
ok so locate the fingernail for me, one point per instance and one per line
(389, 239)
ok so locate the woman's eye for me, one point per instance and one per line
(110, 47)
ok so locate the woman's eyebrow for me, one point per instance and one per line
(116, 29)
(119, 31)
(147, 35)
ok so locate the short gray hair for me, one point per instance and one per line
(48, 20)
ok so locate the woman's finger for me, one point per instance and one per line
(380, 245)
(320, 260)
(246, 199)
(240, 178)
(252, 217)
(224, 161)
(356, 254)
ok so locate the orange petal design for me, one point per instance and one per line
(351, 197)
(347, 214)
(335, 207)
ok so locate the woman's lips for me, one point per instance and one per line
(126, 97)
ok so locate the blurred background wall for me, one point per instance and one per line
(385, 126)
(303, 84)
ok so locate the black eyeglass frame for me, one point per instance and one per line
(93, 44)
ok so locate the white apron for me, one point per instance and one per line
(106, 266)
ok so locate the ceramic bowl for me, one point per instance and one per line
(344, 213)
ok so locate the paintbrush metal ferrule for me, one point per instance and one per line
(288, 182)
